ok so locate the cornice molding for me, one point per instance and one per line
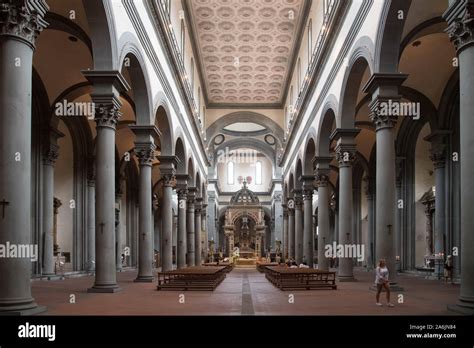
(353, 32)
(142, 35)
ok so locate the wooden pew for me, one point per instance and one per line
(228, 266)
(262, 265)
(205, 278)
(300, 278)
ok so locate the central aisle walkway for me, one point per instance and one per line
(243, 292)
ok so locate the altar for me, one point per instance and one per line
(245, 225)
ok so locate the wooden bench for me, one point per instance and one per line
(228, 266)
(262, 265)
(300, 278)
(205, 278)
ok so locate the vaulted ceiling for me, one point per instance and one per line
(246, 48)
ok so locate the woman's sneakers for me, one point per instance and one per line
(388, 304)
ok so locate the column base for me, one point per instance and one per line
(144, 279)
(463, 307)
(20, 306)
(104, 289)
(23, 312)
(346, 279)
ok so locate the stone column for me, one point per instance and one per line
(118, 239)
(229, 240)
(298, 226)
(291, 228)
(438, 156)
(182, 190)
(308, 237)
(460, 17)
(400, 253)
(106, 96)
(370, 230)
(322, 178)
(51, 154)
(167, 169)
(345, 153)
(260, 231)
(213, 235)
(190, 258)
(91, 224)
(428, 227)
(197, 232)
(205, 239)
(285, 232)
(20, 24)
(145, 151)
(277, 235)
(384, 90)
(56, 205)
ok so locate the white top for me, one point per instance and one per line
(381, 275)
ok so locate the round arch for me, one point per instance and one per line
(291, 185)
(245, 116)
(358, 64)
(389, 35)
(190, 172)
(298, 174)
(309, 154)
(327, 122)
(180, 153)
(164, 124)
(247, 143)
(102, 33)
(132, 59)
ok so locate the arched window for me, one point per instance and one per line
(230, 173)
(183, 38)
(258, 173)
(310, 41)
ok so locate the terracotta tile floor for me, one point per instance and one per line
(245, 292)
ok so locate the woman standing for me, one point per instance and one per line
(381, 281)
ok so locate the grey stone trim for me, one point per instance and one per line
(158, 68)
(353, 31)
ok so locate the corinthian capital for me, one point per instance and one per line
(380, 113)
(145, 153)
(168, 179)
(345, 154)
(460, 17)
(23, 19)
(107, 113)
(322, 179)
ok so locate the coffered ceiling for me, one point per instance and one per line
(246, 48)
